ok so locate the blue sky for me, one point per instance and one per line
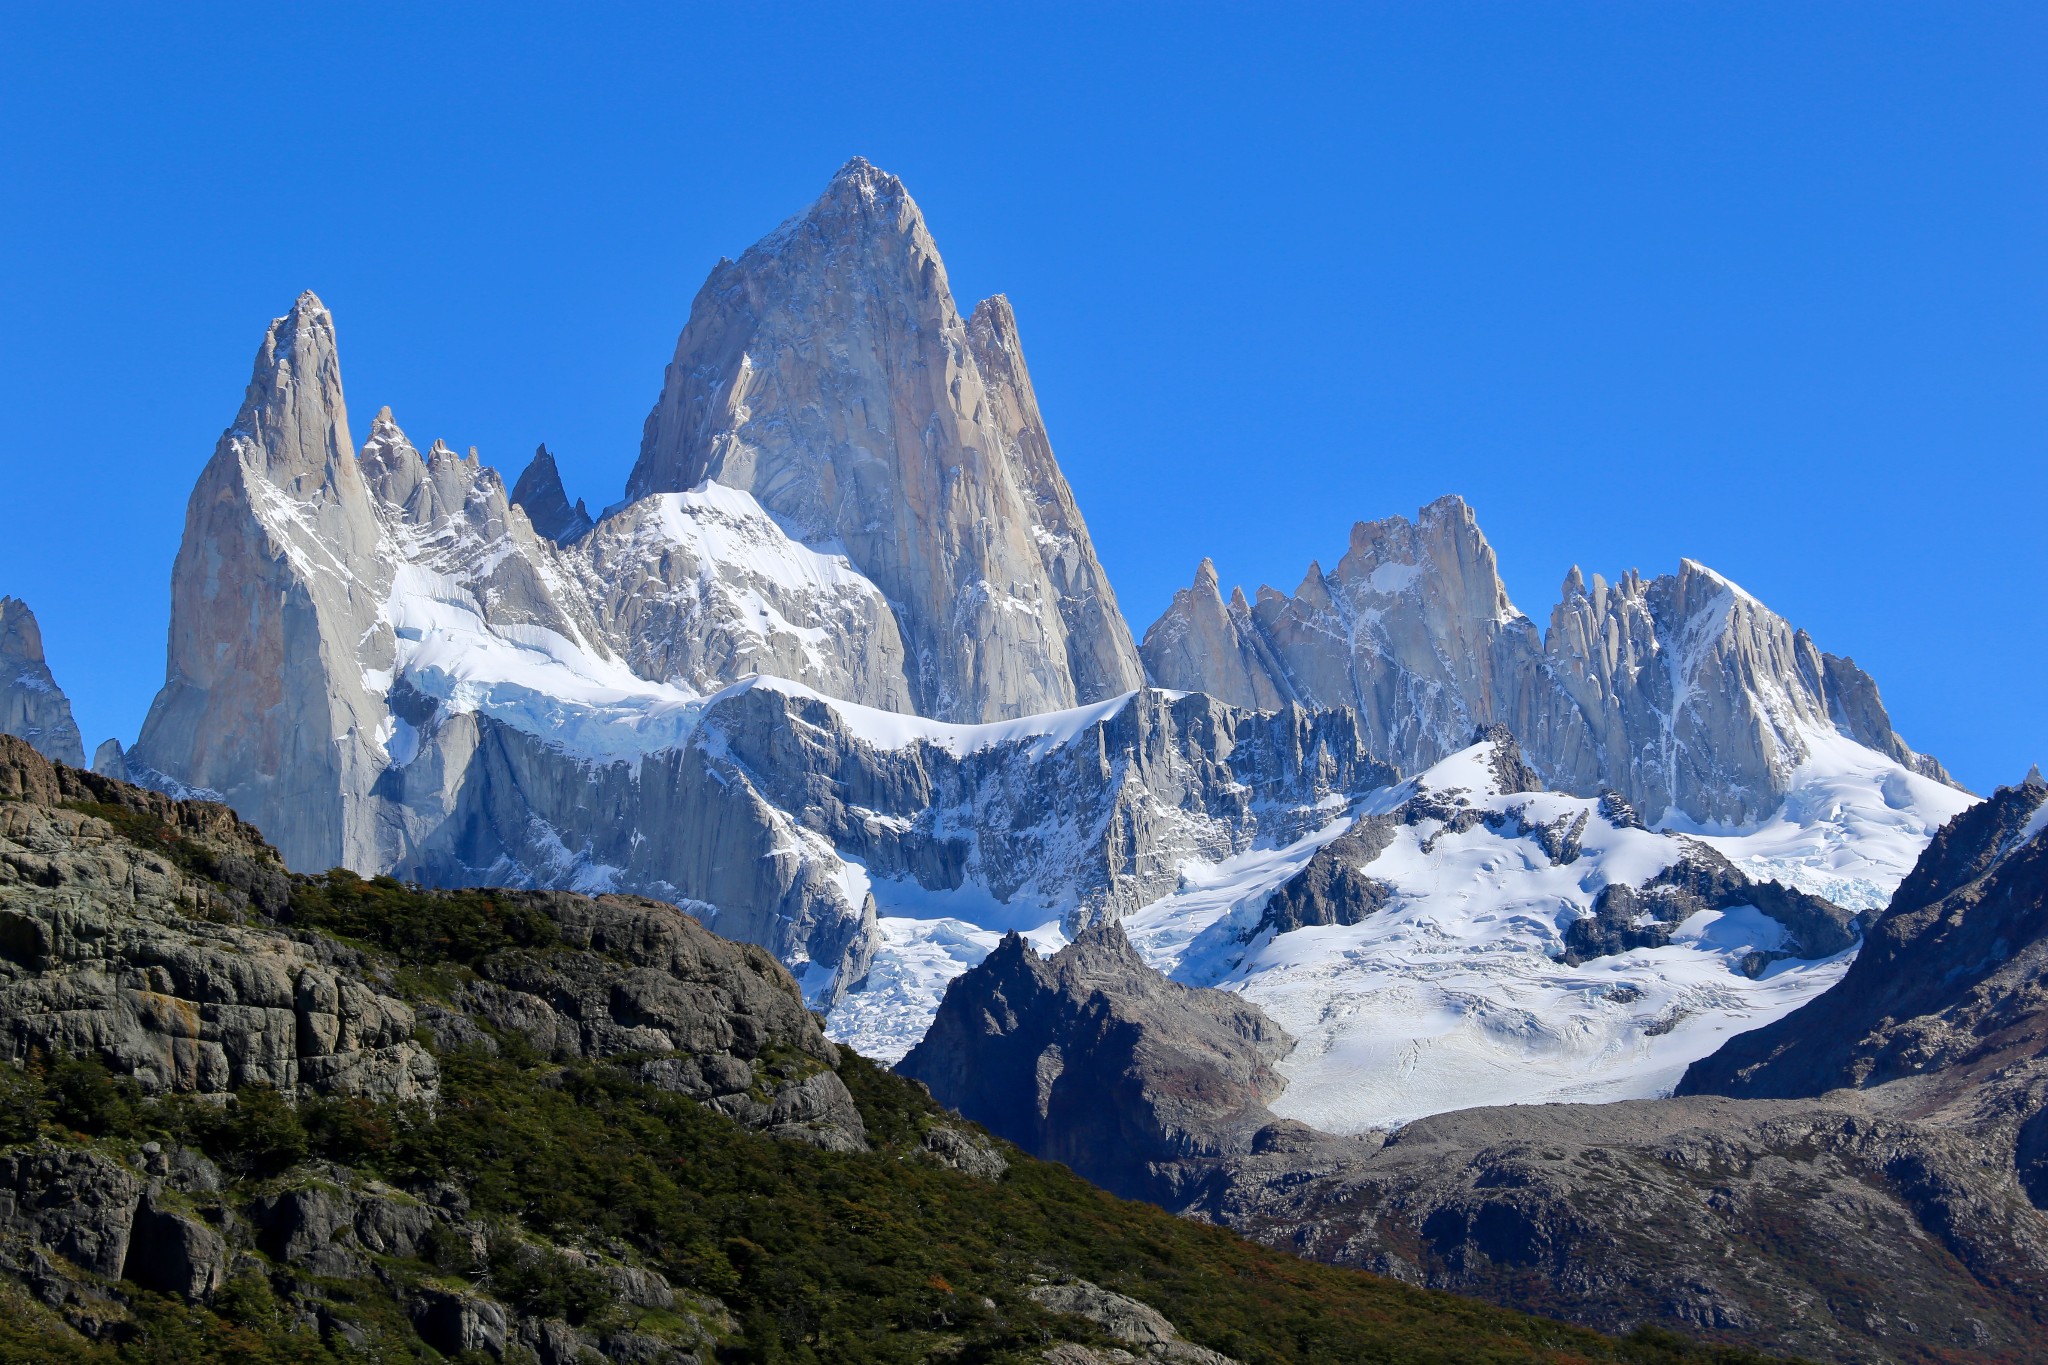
(1764, 285)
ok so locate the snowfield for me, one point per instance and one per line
(1454, 995)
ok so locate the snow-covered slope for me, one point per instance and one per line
(1479, 970)
(1849, 829)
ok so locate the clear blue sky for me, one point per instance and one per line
(1761, 284)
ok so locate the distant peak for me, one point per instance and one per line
(995, 310)
(539, 493)
(1205, 575)
(1693, 568)
(859, 170)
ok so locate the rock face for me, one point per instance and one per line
(166, 939)
(703, 587)
(1949, 982)
(271, 696)
(157, 934)
(1705, 1214)
(1683, 693)
(32, 706)
(829, 374)
(795, 821)
(1092, 1058)
(107, 947)
(539, 494)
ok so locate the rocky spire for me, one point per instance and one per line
(32, 706)
(275, 614)
(829, 373)
(1204, 645)
(539, 494)
(1683, 692)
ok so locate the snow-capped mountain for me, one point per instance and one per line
(1684, 693)
(843, 676)
(1466, 938)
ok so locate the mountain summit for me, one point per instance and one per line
(829, 374)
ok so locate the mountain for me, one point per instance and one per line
(257, 1117)
(829, 374)
(1693, 700)
(1948, 985)
(1466, 938)
(539, 494)
(271, 695)
(32, 706)
(1093, 1059)
(842, 677)
(1904, 1220)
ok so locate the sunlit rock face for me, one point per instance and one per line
(829, 374)
(1684, 693)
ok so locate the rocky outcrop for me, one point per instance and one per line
(1684, 693)
(701, 588)
(785, 809)
(158, 935)
(1136, 1325)
(165, 939)
(1092, 1058)
(1949, 983)
(32, 706)
(110, 947)
(539, 494)
(1215, 648)
(829, 374)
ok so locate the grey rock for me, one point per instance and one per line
(1949, 984)
(539, 494)
(966, 1151)
(829, 373)
(276, 625)
(76, 1203)
(32, 706)
(702, 588)
(453, 1322)
(1094, 1059)
(172, 1251)
(1129, 1321)
(1124, 1318)
(1681, 693)
(101, 951)
(111, 760)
